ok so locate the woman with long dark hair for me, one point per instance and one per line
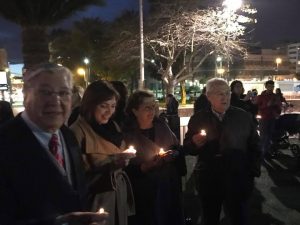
(102, 144)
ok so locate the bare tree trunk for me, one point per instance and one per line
(170, 88)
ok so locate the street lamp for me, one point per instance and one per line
(87, 72)
(218, 64)
(82, 72)
(219, 59)
(221, 71)
(278, 61)
(232, 5)
(142, 60)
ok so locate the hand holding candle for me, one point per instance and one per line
(101, 211)
(121, 160)
(166, 156)
(130, 150)
(199, 138)
(161, 152)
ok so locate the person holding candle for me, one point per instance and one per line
(102, 144)
(156, 170)
(42, 179)
(229, 155)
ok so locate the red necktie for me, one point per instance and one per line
(53, 147)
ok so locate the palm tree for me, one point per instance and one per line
(35, 17)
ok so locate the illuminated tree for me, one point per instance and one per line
(192, 36)
(179, 40)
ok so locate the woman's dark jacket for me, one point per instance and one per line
(157, 193)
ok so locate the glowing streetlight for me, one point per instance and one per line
(278, 61)
(232, 5)
(81, 71)
(87, 73)
(221, 71)
(218, 64)
(86, 61)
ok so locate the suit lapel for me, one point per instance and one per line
(75, 158)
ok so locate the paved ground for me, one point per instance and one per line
(276, 198)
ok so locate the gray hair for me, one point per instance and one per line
(213, 84)
(51, 68)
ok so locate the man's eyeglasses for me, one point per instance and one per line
(63, 94)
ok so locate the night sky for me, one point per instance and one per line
(277, 21)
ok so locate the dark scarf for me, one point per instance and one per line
(108, 131)
(149, 133)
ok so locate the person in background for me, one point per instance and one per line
(201, 102)
(155, 176)
(284, 103)
(42, 178)
(269, 106)
(227, 145)
(6, 112)
(254, 96)
(172, 105)
(77, 94)
(102, 144)
(238, 99)
(172, 114)
(120, 114)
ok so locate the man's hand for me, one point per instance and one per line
(199, 139)
(82, 218)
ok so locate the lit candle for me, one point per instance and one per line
(202, 132)
(101, 211)
(130, 150)
(161, 152)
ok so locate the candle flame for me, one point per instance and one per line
(101, 210)
(203, 132)
(130, 150)
(161, 151)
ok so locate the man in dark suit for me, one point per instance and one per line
(41, 175)
(226, 143)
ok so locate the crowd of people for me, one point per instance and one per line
(61, 159)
